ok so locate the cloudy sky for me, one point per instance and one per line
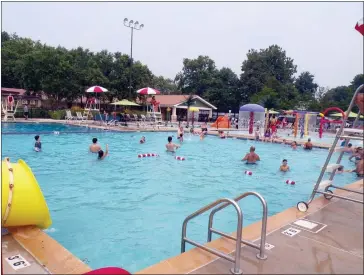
(320, 37)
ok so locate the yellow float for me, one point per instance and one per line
(22, 199)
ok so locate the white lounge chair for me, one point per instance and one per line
(69, 116)
(80, 117)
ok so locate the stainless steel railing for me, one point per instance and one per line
(236, 269)
(263, 235)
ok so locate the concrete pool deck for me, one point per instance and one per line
(336, 247)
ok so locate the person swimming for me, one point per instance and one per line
(180, 133)
(284, 167)
(251, 157)
(95, 147)
(308, 145)
(142, 139)
(257, 133)
(171, 146)
(294, 145)
(37, 144)
(102, 154)
(222, 134)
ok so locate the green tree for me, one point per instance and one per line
(357, 81)
(197, 75)
(225, 94)
(262, 65)
(165, 85)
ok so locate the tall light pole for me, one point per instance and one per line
(133, 26)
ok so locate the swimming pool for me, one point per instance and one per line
(128, 212)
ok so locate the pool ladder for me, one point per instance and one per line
(322, 186)
(219, 205)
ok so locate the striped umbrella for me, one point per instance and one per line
(148, 91)
(96, 89)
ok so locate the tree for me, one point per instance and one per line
(357, 81)
(165, 85)
(197, 75)
(225, 94)
(262, 65)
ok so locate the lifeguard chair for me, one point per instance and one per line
(92, 106)
(9, 107)
(154, 111)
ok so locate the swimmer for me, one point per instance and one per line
(103, 154)
(348, 149)
(308, 145)
(222, 134)
(180, 133)
(171, 146)
(294, 145)
(204, 127)
(38, 144)
(267, 135)
(257, 133)
(142, 139)
(358, 154)
(202, 135)
(95, 147)
(284, 167)
(251, 157)
(284, 142)
(359, 170)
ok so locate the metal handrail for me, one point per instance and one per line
(263, 234)
(236, 269)
(333, 146)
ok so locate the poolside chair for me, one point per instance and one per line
(80, 117)
(135, 117)
(69, 116)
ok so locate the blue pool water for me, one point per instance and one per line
(128, 212)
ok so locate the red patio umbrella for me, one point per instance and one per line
(96, 89)
(148, 91)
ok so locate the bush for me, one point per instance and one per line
(75, 109)
(59, 114)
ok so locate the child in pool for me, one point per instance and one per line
(294, 145)
(142, 139)
(284, 167)
(38, 144)
(222, 134)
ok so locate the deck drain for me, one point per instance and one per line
(290, 232)
(310, 226)
(268, 246)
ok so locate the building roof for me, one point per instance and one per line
(13, 91)
(175, 100)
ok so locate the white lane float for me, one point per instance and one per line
(148, 155)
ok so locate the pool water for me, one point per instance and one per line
(128, 212)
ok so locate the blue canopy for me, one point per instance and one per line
(252, 108)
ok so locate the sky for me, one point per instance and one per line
(319, 36)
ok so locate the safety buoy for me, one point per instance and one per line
(290, 182)
(179, 158)
(147, 155)
(249, 173)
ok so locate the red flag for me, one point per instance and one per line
(360, 26)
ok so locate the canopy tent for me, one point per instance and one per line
(124, 102)
(351, 115)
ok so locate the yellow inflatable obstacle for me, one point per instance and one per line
(22, 200)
